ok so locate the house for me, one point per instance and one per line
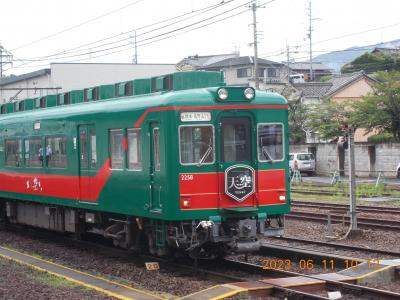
(319, 70)
(72, 76)
(196, 62)
(239, 71)
(341, 88)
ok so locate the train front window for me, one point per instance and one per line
(270, 142)
(196, 145)
(236, 142)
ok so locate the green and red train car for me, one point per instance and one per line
(179, 162)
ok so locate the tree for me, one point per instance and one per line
(297, 115)
(380, 111)
(373, 62)
(328, 118)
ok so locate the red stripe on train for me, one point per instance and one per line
(207, 190)
(60, 186)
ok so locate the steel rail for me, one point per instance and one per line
(336, 206)
(362, 222)
(341, 246)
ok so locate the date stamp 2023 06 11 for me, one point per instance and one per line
(309, 264)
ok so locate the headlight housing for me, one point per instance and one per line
(222, 94)
(249, 93)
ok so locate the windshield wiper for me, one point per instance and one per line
(267, 154)
(204, 157)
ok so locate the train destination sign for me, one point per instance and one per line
(195, 116)
(239, 182)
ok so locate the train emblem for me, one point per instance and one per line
(239, 182)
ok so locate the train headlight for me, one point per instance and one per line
(222, 94)
(185, 202)
(249, 93)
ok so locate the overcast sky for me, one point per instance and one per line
(102, 31)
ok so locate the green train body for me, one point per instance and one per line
(179, 167)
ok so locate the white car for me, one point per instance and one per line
(398, 171)
(304, 162)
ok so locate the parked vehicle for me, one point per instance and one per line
(304, 162)
(398, 171)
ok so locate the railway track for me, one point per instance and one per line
(332, 193)
(345, 207)
(253, 273)
(340, 218)
(369, 251)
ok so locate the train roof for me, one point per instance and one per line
(186, 92)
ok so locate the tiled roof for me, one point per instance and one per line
(242, 60)
(202, 61)
(313, 89)
(341, 81)
(324, 89)
(12, 79)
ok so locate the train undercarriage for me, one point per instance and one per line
(200, 239)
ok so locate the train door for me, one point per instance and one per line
(155, 168)
(87, 159)
(236, 161)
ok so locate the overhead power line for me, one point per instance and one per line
(78, 25)
(191, 14)
(90, 52)
(140, 42)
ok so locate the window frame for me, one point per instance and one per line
(156, 158)
(28, 138)
(66, 151)
(139, 147)
(250, 138)
(124, 160)
(248, 72)
(179, 143)
(283, 142)
(21, 155)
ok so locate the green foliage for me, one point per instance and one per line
(325, 78)
(297, 116)
(381, 110)
(327, 118)
(364, 190)
(385, 137)
(373, 62)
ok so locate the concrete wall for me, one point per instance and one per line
(39, 81)
(75, 76)
(80, 75)
(369, 158)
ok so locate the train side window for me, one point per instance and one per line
(117, 149)
(33, 152)
(13, 153)
(156, 141)
(270, 142)
(93, 151)
(56, 152)
(196, 144)
(134, 149)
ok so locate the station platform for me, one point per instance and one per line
(102, 285)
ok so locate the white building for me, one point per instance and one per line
(73, 76)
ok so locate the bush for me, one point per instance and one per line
(381, 138)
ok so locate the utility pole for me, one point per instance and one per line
(310, 29)
(134, 59)
(288, 62)
(354, 231)
(255, 74)
(5, 58)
